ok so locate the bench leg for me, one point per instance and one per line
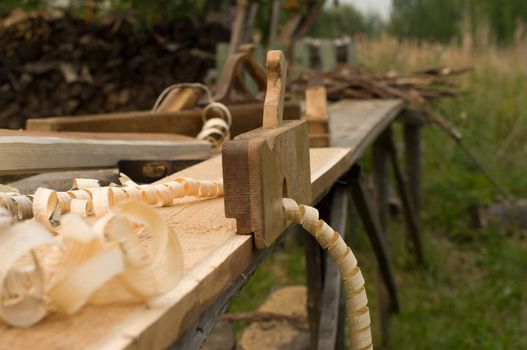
(373, 228)
(412, 225)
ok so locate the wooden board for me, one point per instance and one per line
(357, 123)
(214, 256)
(78, 135)
(245, 117)
(63, 181)
(316, 113)
(32, 154)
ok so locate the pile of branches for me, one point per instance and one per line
(64, 65)
(357, 82)
(419, 89)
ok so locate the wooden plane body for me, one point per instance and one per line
(261, 167)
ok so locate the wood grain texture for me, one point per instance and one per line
(357, 123)
(214, 256)
(179, 99)
(62, 181)
(260, 168)
(231, 88)
(317, 114)
(32, 154)
(78, 135)
(273, 112)
(264, 165)
(245, 117)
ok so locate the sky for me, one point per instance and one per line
(382, 7)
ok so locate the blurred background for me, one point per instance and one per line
(81, 57)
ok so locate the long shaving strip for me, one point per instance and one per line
(108, 263)
(86, 197)
(356, 299)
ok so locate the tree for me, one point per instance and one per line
(441, 20)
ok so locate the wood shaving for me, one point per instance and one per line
(356, 298)
(103, 263)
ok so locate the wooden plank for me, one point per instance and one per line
(356, 124)
(214, 256)
(121, 136)
(316, 112)
(32, 154)
(245, 117)
(62, 181)
(196, 335)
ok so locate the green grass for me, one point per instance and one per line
(472, 294)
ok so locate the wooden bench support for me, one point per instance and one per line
(315, 276)
(412, 225)
(412, 157)
(196, 335)
(381, 194)
(326, 307)
(373, 227)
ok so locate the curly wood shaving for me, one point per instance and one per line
(19, 205)
(356, 298)
(103, 263)
(82, 207)
(45, 204)
(80, 184)
(22, 288)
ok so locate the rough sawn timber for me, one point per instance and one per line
(245, 117)
(33, 154)
(214, 256)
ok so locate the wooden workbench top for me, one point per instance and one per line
(214, 256)
(357, 123)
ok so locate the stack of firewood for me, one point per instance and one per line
(64, 65)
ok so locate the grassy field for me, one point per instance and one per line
(471, 294)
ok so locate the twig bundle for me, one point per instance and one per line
(351, 81)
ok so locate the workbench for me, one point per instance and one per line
(217, 261)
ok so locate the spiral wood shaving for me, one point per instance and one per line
(356, 299)
(216, 116)
(18, 204)
(103, 263)
(48, 205)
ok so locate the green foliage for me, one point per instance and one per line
(8, 5)
(344, 20)
(442, 20)
(426, 19)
